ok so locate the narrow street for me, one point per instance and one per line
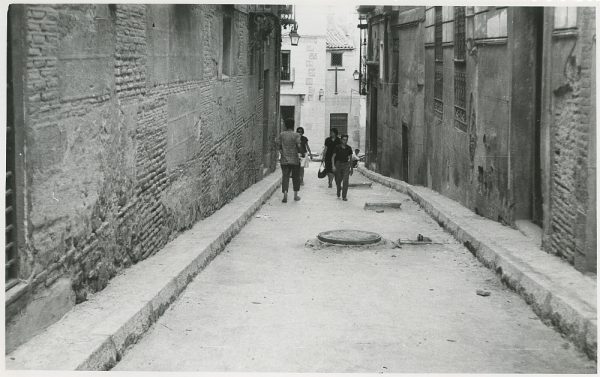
(270, 303)
(143, 144)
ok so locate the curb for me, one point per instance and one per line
(95, 334)
(571, 312)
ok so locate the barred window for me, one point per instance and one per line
(460, 97)
(460, 82)
(438, 89)
(336, 59)
(339, 121)
(438, 86)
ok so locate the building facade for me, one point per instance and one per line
(126, 125)
(322, 92)
(344, 106)
(303, 75)
(493, 107)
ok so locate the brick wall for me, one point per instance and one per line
(131, 136)
(571, 131)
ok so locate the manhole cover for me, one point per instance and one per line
(349, 237)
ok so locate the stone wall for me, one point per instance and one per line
(523, 148)
(572, 130)
(400, 96)
(131, 135)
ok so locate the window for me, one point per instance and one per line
(565, 17)
(336, 59)
(429, 26)
(386, 48)
(261, 64)
(395, 57)
(252, 30)
(459, 33)
(227, 17)
(339, 121)
(438, 34)
(491, 22)
(381, 60)
(438, 86)
(460, 97)
(447, 25)
(460, 90)
(285, 65)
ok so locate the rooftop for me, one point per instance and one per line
(336, 39)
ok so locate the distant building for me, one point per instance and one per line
(493, 107)
(321, 91)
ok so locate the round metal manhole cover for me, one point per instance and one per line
(349, 237)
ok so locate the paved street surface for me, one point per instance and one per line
(269, 303)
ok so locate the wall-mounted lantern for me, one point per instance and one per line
(287, 17)
(321, 93)
(294, 36)
(356, 74)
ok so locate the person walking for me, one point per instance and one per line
(288, 143)
(304, 148)
(355, 158)
(340, 161)
(330, 143)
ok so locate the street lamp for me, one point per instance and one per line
(294, 36)
(356, 74)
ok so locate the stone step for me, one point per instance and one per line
(383, 205)
(361, 185)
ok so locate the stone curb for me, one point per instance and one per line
(95, 334)
(550, 298)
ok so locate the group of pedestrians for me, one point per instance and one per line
(338, 157)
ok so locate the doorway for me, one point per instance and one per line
(372, 147)
(404, 152)
(287, 112)
(536, 200)
(266, 111)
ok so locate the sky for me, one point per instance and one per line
(313, 18)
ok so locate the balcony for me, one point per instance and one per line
(288, 76)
